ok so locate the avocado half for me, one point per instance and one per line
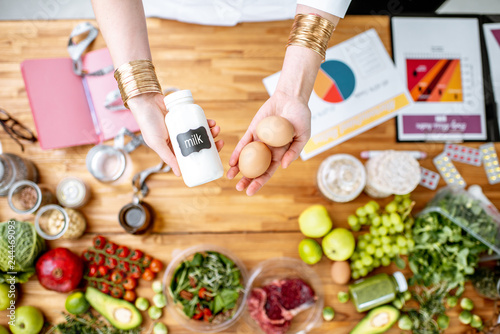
(377, 321)
(120, 313)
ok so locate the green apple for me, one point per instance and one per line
(338, 245)
(310, 251)
(29, 320)
(314, 222)
(3, 330)
(6, 295)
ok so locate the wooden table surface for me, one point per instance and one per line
(224, 68)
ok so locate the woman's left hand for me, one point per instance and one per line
(295, 110)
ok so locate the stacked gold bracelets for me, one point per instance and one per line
(135, 78)
(311, 31)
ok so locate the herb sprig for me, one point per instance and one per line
(87, 323)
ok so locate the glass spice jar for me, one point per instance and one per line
(486, 282)
(27, 197)
(13, 168)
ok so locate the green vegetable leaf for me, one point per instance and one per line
(400, 263)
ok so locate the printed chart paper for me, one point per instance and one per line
(492, 38)
(357, 88)
(439, 59)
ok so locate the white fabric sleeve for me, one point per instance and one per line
(334, 7)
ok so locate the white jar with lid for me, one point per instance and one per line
(193, 144)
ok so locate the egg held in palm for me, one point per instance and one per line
(275, 131)
(254, 160)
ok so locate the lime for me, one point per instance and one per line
(310, 251)
(76, 303)
(3, 330)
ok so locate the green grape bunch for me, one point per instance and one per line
(390, 234)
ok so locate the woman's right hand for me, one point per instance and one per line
(149, 111)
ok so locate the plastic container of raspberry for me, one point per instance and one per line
(175, 309)
(300, 297)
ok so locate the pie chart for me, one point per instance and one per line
(335, 81)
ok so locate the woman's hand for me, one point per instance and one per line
(295, 110)
(149, 112)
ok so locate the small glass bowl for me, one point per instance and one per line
(341, 178)
(287, 268)
(51, 222)
(175, 309)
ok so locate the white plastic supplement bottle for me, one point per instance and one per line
(193, 144)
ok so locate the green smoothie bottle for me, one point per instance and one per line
(377, 290)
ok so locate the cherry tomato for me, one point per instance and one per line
(136, 255)
(129, 283)
(102, 270)
(146, 261)
(148, 275)
(111, 263)
(99, 242)
(123, 251)
(130, 296)
(103, 287)
(110, 247)
(156, 266)
(92, 271)
(88, 255)
(201, 292)
(198, 315)
(207, 314)
(124, 266)
(99, 260)
(135, 271)
(116, 277)
(116, 292)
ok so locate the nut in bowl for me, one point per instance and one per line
(204, 286)
(283, 295)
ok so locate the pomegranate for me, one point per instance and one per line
(59, 270)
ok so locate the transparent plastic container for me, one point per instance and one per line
(472, 214)
(287, 268)
(175, 310)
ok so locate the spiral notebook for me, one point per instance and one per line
(65, 112)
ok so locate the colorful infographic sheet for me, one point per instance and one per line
(440, 61)
(492, 38)
(357, 88)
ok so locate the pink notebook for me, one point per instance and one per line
(60, 108)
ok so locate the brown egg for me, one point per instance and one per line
(275, 131)
(255, 159)
(341, 272)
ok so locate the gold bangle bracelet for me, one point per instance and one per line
(135, 78)
(311, 31)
